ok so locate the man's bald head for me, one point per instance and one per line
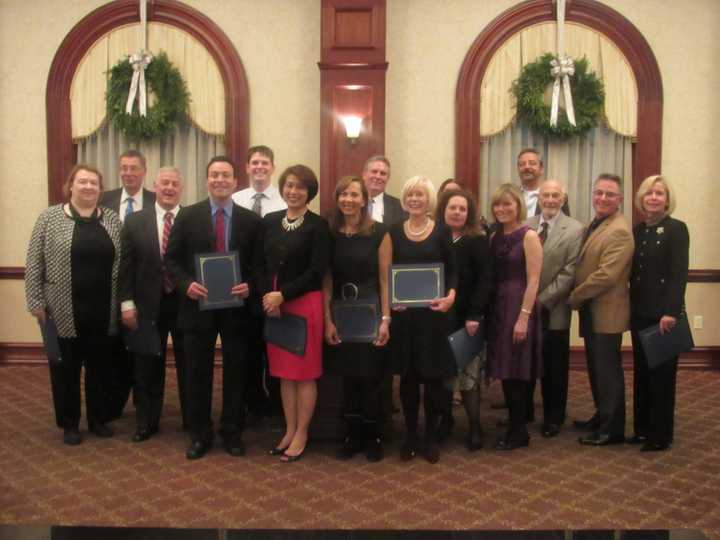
(552, 197)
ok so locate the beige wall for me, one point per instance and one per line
(427, 42)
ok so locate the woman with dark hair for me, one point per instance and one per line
(657, 296)
(71, 281)
(458, 212)
(295, 251)
(451, 184)
(360, 258)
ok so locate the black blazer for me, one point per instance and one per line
(660, 269)
(193, 234)
(111, 199)
(475, 278)
(392, 210)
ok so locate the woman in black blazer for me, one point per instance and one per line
(657, 296)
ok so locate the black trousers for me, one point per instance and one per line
(362, 398)
(653, 392)
(263, 391)
(200, 355)
(121, 371)
(435, 401)
(607, 381)
(517, 394)
(554, 383)
(149, 388)
(92, 353)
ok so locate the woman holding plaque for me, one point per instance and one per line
(295, 250)
(457, 211)
(421, 351)
(71, 282)
(657, 297)
(360, 258)
(514, 333)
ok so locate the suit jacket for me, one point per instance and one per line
(141, 277)
(660, 269)
(193, 234)
(111, 199)
(557, 278)
(392, 210)
(602, 273)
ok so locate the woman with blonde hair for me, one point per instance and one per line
(421, 351)
(657, 296)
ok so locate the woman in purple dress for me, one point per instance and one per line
(514, 337)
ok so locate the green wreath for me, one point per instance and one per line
(588, 95)
(171, 99)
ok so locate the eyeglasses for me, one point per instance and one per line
(599, 193)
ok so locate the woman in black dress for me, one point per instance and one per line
(420, 347)
(457, 211)
(359, 262)
(657, 296)
(71, 279)
(295, 249)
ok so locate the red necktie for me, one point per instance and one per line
(220, 230)
(167, 282)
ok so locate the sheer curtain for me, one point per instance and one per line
(187, 148)
(576, 163)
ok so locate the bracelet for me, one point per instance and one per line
(386, 318)
(526, 311)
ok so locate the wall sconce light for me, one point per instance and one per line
(353, 125)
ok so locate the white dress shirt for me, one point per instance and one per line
(137, 202)
(531, 200)
(550, 222)
(378, 207)
(270, 202)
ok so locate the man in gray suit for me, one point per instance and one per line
(561, 237)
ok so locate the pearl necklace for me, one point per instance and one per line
(421, 232)
(292, 225)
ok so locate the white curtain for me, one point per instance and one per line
(187, 148)
(576, 163)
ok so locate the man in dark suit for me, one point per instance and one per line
(601, 294)
(131, 197)
(561, 237)
(148, 294)
(382, 207)
(214, 225)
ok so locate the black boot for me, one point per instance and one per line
(432, 447)
(373, 442)
(352, 443)
(471, 401)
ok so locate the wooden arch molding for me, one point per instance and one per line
(646, 151)
(61, 152)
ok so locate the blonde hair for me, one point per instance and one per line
(512, 191)
(419, 182)
(645, 186)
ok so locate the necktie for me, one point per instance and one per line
(257, 205)
(543, 232)
(129, 208)
(167, 282)
(220, 230)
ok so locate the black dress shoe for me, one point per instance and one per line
(432, 450)
(374, 450)
(655, 447)
(601, 439)
(408, 449)
(474, 441)
(586, 425)
(506, 443)
(636, 439)
(198, 449)
(141, 435)
(102, 430)
(498, 405)
(235, 447)
(72, 437)
(550, 430)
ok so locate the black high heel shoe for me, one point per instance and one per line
(277, 451)
(285, 458)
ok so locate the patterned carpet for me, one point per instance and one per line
(555, 484)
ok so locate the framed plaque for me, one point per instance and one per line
(356, 321)
(466, 347)
(218, 272)
(416, 285)
(145, 340)
(659, 348)
(289, 332)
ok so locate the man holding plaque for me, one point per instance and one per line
(149, 301)
(214, 227)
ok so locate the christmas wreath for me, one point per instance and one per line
(588, 96)
(171, 99)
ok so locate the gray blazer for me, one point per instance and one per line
(557, 278)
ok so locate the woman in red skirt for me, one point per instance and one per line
(295, 254)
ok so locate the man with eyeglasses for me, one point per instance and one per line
(601, 295)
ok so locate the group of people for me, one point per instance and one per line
(104, 264)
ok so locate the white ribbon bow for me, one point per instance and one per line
(562, 68)
(139, 62)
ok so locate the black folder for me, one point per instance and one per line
(289, 332)
(466, 347)
(50, 339)
(218, 273)
(416, 285)
(145, 340)
(659, 348)
(356, 321)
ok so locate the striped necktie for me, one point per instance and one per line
(167, 282)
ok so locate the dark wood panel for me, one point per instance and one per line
(353, 31)
(12, 272)
(353, 28)
(60, 149)
(704, 276)
(647, 152)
